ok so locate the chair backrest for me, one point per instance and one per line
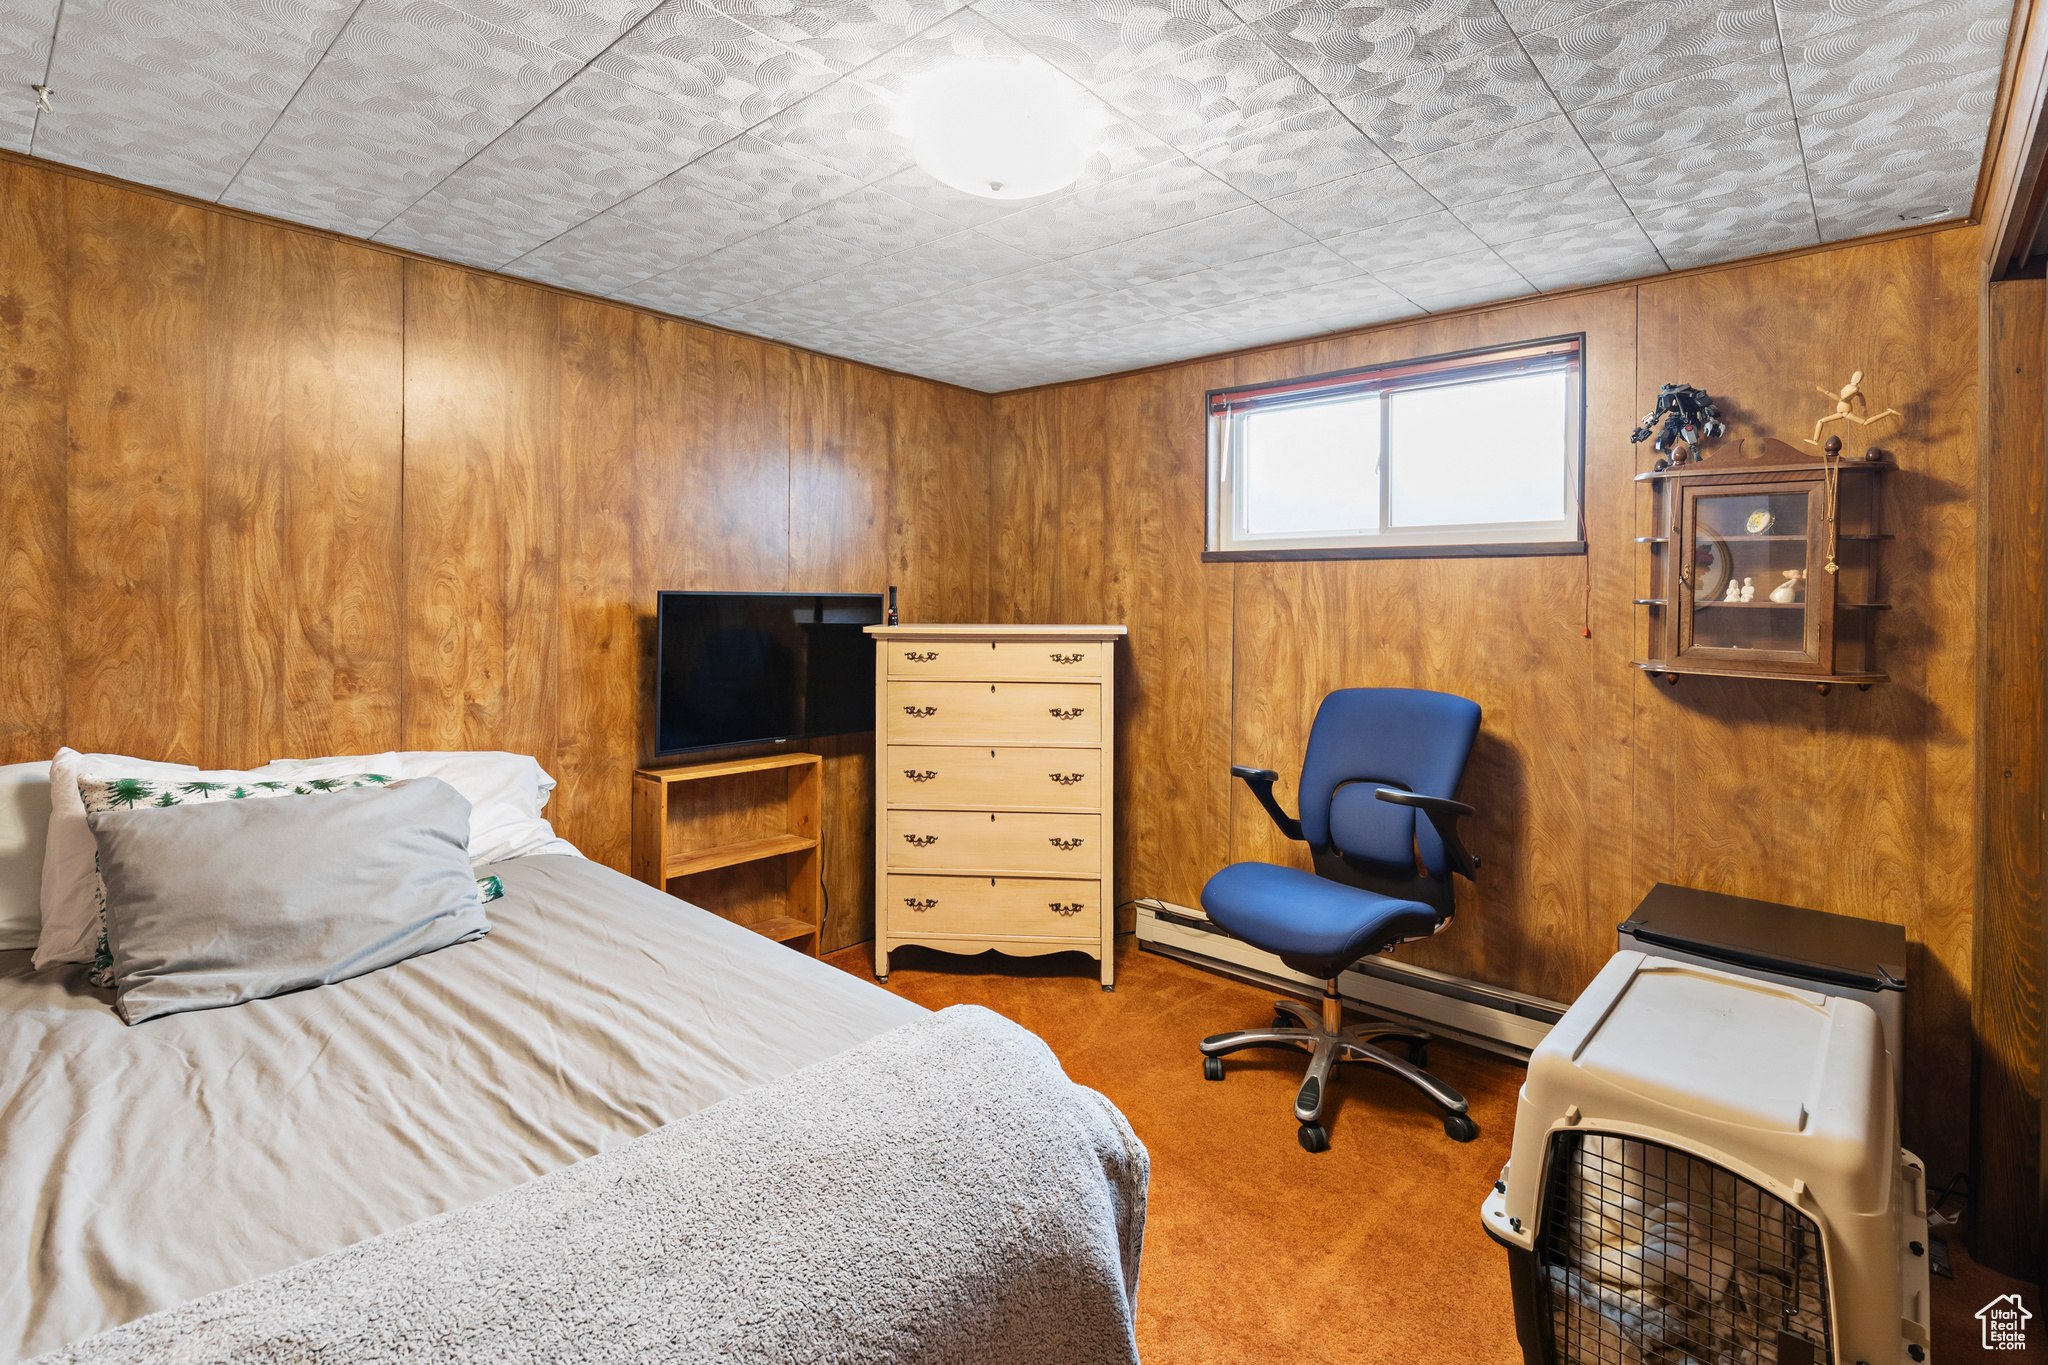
(1370, 737)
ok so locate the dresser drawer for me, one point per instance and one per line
(944, 775)
(977, 841)
(992, 907)
(1049, 659)
(994, 714)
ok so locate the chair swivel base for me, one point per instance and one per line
(1327, 1046)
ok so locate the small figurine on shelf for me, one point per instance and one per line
(1689, 417)
(1749, 589)
(1734, 593)
(1788, 591)
(1850, 394)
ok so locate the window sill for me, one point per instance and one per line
(1545, 547)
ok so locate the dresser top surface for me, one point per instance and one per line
(995, 632)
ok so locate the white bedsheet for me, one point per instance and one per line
(140, 1167)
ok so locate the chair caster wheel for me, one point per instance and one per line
(1110, 989)
(1314, 1137)
(1212, 1068)
(881, 981)
(1460, 1128)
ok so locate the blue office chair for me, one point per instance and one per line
(1376, 756)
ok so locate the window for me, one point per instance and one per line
(1480, 453)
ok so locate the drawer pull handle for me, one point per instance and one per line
(921, 657)
(1068, 658)
(1065, 712)
(922, 905)
(920, 840)
(1065, 845)
(915, 776)
(1066, 779)
(1072, 908)
(921, 712)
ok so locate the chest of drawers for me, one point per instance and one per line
(995, 798)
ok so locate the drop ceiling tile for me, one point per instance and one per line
(1578, 202)
(847, 126)
(1745, 222)
(418, 42)
(1853, 195)
(1518, 159)
(1235, 236)
(1710, 170)
(874, 218)
(1804, 20)
(1593, 253)
(1214, 92)
(1104, 313)
(1346, 47)
(25, 29)
(1633, 44)
(1704, 107)
(938, 315)
(1530, 16)
(1275, 159)
(1157, 197)
(1370, 199)
(664, 226)
(776, 180)
(581, 28)
(1280, 272)
(1467, 298)
(1428, 238)
(1036, 287)
(963, 258)
(842, 34)
(498, 208)
(766, 263)
(628, 137)
(1100, 40)
(916, 187)
(1925, 46)
(719, 69)
(120, 120)
(1440, 106)
(1352, 302)
(962, 36)
(1950, 117)
(1428, 283)
(257, 53)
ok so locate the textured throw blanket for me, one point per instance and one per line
(940, 1193)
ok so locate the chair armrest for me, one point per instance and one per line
(1261, 781)
(1443, 816)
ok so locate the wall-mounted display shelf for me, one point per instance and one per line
(1762, 569)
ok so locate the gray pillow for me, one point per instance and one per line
(215, 904)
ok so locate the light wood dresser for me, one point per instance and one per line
(995, 793)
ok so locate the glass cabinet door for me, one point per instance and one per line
(1750, 573)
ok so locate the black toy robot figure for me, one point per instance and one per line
(1689, 417)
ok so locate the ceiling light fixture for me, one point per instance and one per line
(999, 129)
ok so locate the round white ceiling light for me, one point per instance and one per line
(999, 129)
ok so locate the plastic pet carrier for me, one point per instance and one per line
(1706, 1171)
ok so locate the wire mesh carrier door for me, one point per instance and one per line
(1649, 1255)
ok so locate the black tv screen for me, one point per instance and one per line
(744, 668)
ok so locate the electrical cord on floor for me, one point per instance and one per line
(1935, 1217)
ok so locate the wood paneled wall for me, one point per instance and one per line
(2006, 1175)
(1593, 782)
(268, 492)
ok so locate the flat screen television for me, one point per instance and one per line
(748, 668)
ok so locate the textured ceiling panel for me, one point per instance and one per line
(1266, 169)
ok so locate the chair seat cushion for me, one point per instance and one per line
(1314, 925)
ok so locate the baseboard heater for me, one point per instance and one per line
(1502, 1021)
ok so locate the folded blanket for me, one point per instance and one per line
(939, 1193)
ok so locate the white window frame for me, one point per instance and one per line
(1230, 539)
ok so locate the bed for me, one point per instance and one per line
(147, 1169)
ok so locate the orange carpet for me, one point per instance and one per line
(1257, 1251)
